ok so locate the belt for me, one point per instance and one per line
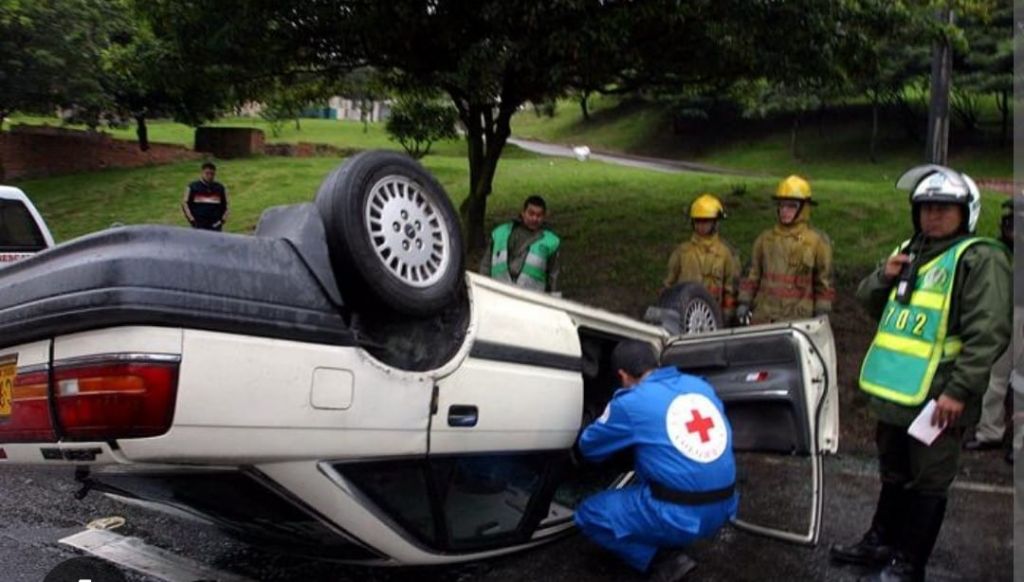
(662, 493)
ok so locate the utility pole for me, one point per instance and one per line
(937, 148)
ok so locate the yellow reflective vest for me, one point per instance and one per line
(912, 340)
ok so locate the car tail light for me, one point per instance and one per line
(29, 420)
(114, 399)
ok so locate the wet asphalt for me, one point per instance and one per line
(38, 508)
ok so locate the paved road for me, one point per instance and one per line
(658, 164)
(37, 509)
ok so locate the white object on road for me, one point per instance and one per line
(922, 429)
(137, 555)
(582, 153)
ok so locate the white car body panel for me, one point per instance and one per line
(291, 409)
(241, 401)
(118, 340)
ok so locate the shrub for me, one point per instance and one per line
(416, 123)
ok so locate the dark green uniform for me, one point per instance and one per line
(980, 315)
(916, 477)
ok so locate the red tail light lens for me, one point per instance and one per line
(113, 400)
(29, 421)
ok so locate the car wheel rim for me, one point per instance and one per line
(699, 317)
(407, 231)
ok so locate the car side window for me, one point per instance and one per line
(462, 503)
(18, 229)
(485, 498)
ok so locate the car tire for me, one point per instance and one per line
(393, 236)
(698, 311)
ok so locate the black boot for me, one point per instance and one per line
(924, 520)
(671, 566)
(899, 569)
(878, 544)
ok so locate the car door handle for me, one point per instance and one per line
(462, 415)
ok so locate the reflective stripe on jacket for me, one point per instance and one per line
(912, 339)
(790, 274)
(534, 274)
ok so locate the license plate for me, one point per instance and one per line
(8, 370)
(12, 257)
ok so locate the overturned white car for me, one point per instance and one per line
(337, 386)
(23, 231)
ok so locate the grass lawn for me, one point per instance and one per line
(345, 134)
(625, 220)
(835, 150)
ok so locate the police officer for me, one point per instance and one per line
(790, 273)
(707, 258)
(205, 203)
(523, 252)
(685, 471)
(943, 302)
(989, 434)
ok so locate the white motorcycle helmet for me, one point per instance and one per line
(934, 183)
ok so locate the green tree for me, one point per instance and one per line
(417, 121)
(48, 54)
(365, 86)
(986, 67)
(490, 57)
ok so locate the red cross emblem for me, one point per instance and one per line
(701, 425)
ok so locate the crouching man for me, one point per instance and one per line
(684, 488)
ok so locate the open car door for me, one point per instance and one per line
(778, 384)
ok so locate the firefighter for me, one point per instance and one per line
(943, 303)
(707, 258)
(790, 273)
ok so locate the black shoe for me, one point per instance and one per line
(672, 568)
(900, 569)
(976, 445)
(871, 550)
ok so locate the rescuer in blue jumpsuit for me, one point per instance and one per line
(684, 488)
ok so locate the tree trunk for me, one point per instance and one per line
(486, 136)
(937, 149)
(3, 116)
(142, 132)
(584, 97)
(821, 118)
(297, 126)
(1002, 100)
(874, 129)
(792, 136)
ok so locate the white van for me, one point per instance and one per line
(22, 230)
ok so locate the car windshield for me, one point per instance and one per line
(18, 230)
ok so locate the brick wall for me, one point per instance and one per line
(229, 142)
(35, 152)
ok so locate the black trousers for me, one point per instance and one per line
(909, 463)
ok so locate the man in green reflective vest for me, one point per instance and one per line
(523, 252)
(943, 303)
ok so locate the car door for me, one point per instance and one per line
(22, 230)
(779, 387)
(503, 422)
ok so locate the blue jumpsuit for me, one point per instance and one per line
(679, 442)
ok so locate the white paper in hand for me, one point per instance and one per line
(922, 429)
